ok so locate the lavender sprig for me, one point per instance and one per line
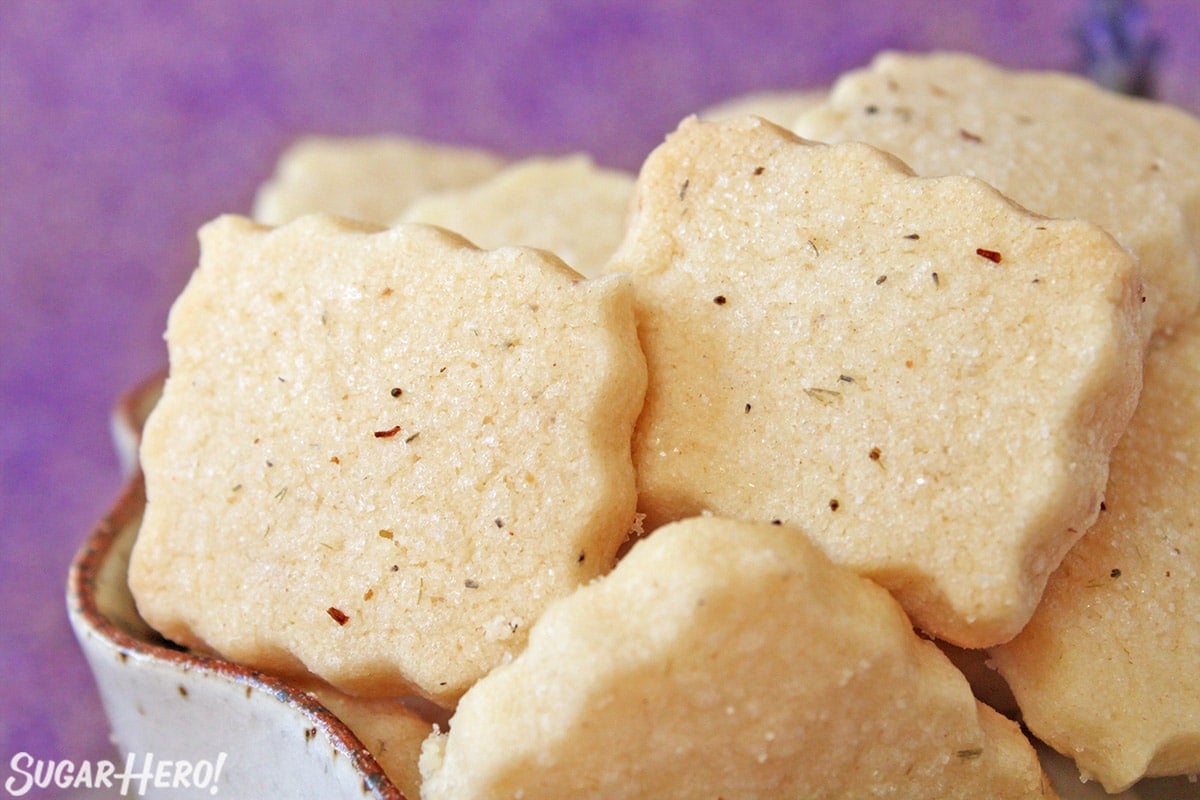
(1119, 50)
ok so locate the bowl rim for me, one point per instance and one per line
(83, 605)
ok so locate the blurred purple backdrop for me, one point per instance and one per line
(125, 125)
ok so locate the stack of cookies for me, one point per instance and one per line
(557, 481)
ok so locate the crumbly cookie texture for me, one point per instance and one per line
(367, 178)
(381, 453)
(923, 375)
(1055, 143)
(1106, 670)
(724, 658)
(567, 205)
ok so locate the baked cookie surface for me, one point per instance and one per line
(723, 658)
(380, 453)
(1055, 143)
(1106, 669)
(921, 374)
(568, 206)
(367, 178)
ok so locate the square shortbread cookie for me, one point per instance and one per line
(926, 377)
(380, 453)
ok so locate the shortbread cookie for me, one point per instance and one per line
(1053, 142)
(923, 375)
(566, 205)
(781, 106)
(379, 454)
(724, 658)
(370, 178)
(1106, 671)
(390, 728)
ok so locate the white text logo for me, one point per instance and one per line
(134, 777)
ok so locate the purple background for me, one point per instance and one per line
(126, 125)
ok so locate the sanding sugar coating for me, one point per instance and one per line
(924, 376)
(1055, 143)
(379, 454)
(1106, 670)
(723, 658)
